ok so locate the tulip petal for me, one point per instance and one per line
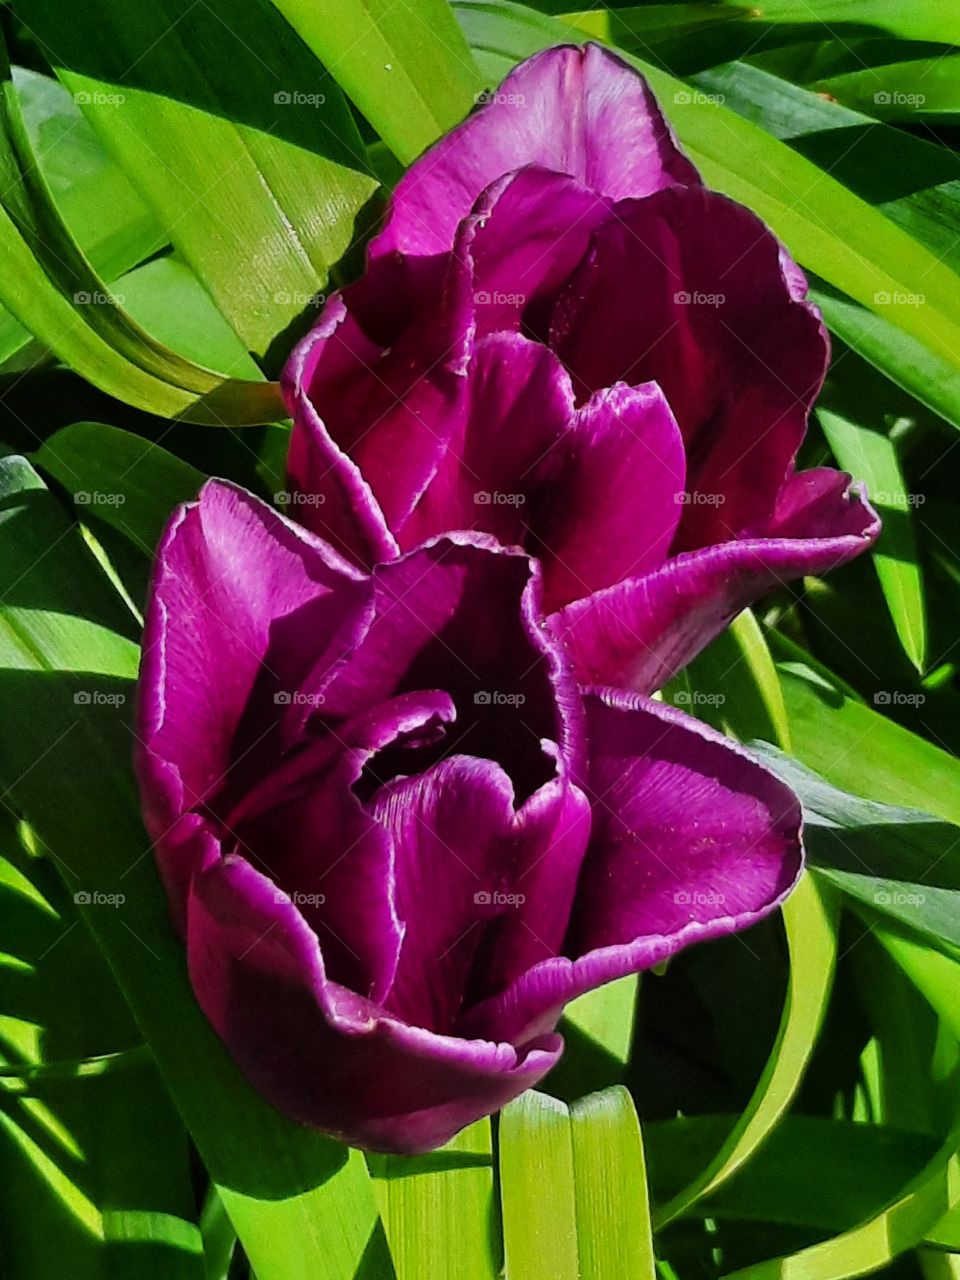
(320, 1053)
(520, 404)
(578, 111)
(546, 849)
(612, 509)
(738, 357)
(243, 602)
(692, 839)
(449, 827)
(375, 391)
(639, 633)
(526, 234)
(307, 829)
(462, 614)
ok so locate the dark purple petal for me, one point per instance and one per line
(239, 594)
(375, 391)
(526, 234)
(546, 848)
(691, 839)
(463, 614)
(450, 827)
(577, 111)
(520, 404)
(611, 509)
(739, 359)
(321, 1053)
(305, 827)
(642, 631)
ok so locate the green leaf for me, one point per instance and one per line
(872, 458)
(871, 1245)
(920, 20)
(687, 36)
(53, 290)
(783, 1183)
(613, 1209)
(861, 751)
(301, 1204)
(74, 1199)
(935, 975)
(573, 1189)
(127, 482)
(112, 225)
(537, 1194)
(438, 1210)
(917, 89)
(734, 685)
(249, 159)
(902, 357)
(170, 303)
(809, 917)
(404, 63)
(900, 862)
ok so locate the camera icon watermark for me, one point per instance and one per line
(494, 898)
(494, 698)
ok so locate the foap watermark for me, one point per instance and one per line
(895, 98)
(698, 898)
(297, 698)
(295, 98)
(495, 498)
(487, 96)
(898, 698)
(898, 898)
(494, 898)
(898, 298)
(98, 298)
(696, 298)
(891, 498)
(96, 898)
(696, 498)
(495, 698)
(97, 98)
(497, 298)
(97, 698)
(96, 498)
(286, 298)
(694, 97)
(294, 498)
(298, 899)
(697, 698)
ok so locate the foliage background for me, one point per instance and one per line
(180, 184)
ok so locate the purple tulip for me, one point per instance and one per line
(562, 338)
(395, 835)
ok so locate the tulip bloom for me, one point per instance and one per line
(565, 340)
(397, 837)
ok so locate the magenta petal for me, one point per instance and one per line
(642, 631)
(322, 1054)
(692, 839)
(526, 234)
(582, 112)
(612, 509)
(738, 357)
(463, 614)
(376, 390)
(520, 405)
(305, 828)
(547, 846)
(237, 588)
(450, 827)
